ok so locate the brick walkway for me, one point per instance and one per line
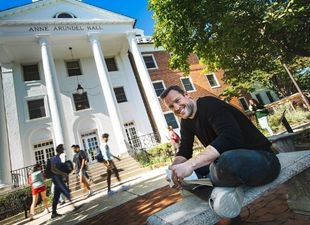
(269, 210)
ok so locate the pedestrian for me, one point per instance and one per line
(80, 165)
(36, 180)
(59, 172)
(174, 138)
(108, 162)
(261, 114)
(235, 152)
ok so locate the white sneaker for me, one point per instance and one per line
(90, 192)
(226, 201)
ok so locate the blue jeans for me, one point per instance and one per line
(242, 167)
(60, 187)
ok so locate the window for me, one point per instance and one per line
(212, 80)
(111, 64)
(244, 103)
(90, 144)
(73, 68)
(171, 121)
(43, 151)
(31, 72)
(271, 99)
(259, 99)
(64, 15)
(36, 108)
(81, 101)
(149, 61)
(120, 94)
(187, 84)
(132, 135)
(159, 87)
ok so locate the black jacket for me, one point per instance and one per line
(222, 126)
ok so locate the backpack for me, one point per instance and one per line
(48, 170)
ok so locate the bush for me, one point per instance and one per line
(17, 200)
(294, 118)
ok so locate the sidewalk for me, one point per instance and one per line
(99, 202)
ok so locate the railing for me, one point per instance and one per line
(139, 145)
(145, 141)
(20, 176)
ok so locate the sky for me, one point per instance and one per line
(136, 9)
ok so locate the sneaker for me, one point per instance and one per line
(89, 193)
(111, 192)
(46, 211)
(55, 215)
(226, 201)
(61, 203)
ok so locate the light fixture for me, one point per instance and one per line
(79, 89)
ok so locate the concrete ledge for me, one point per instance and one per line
(192, 210)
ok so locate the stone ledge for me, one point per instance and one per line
(192, 210)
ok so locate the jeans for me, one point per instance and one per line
(60, 187)
(242, 167)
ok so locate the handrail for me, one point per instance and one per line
(20, 176)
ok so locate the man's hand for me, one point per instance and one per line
(179, 172)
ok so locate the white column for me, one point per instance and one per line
(12, 120)
(108, 92)
(49, 73)
(148, 88)
(5, 161)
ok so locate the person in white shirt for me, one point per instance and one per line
(108, 161)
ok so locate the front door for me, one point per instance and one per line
(90, 145)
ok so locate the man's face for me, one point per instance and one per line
(181, 105)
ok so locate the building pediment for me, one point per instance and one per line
(60, 12)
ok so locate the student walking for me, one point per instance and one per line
(108, 162)
(175, 139)
(36, 179)
(80, 160)
(57, 169)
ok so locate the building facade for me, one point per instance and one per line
(66, 78)
(71, 72)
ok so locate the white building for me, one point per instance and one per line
(48, 48)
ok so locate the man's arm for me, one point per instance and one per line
(56, 171)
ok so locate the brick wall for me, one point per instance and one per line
(200, 81)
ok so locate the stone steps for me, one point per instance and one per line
(128, 168)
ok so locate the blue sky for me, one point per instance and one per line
(136, 9)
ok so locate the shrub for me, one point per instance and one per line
(17, 200)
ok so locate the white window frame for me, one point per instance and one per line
(153, 68)
(215, 78)
(191, 81)
(159, 81)
(245, 102)
(176, 119)
(32, 98)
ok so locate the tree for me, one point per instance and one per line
(250, 40)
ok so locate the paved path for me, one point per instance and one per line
(99, 202)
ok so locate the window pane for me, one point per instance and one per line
(81, 101)
(244, 103)
(111, 64)
(271, 99)
(149, 61)
(171, 121)
(73, 68)
(187, 84)
(259, 99)
(36, 109)
(212, 80)
(120, 94)
(31, 72)
(159, 88)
